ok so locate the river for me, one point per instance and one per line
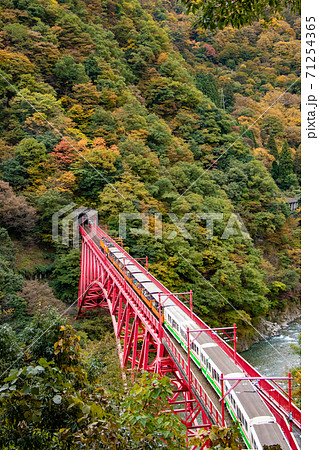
(275, 357)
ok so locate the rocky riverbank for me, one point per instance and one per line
(271, 326)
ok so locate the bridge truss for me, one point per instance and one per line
(145, 345)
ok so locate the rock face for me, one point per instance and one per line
(270, 326)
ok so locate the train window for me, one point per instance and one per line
(195, 348)
(183, 334)
(175, 325)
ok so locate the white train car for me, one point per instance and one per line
(257, 424)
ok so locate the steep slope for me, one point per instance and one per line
(123, 107)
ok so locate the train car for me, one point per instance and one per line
(257, 424)
(141, 284)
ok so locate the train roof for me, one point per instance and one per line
(117, 252)
(270, 434)
(151, 288)
(221, 360)
(132, 267)
(129, 265)
(245, 391)
(250, 399)
(142, 278)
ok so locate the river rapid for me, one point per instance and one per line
(274, 356)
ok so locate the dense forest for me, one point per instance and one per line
(125, 107)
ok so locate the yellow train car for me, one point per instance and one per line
(136, 279)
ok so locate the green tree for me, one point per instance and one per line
(207, 84)
(66, 275)
(144, 410)
(68, 73)
(7, 248)
(272, 125)
(11, 305)
(275, 170)
(297, 162)
(35, 159)
(220, 13)
(221, 438)
(228, 95)
(272, 146)
(42, 332)
(47, 204)
(53, 405)
(285, 166)
(31, 151)
(92, 68)
(14, 172)
(10, 347)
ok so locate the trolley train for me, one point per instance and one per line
(257, 424)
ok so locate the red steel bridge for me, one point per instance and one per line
(145, 344)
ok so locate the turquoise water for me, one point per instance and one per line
(275, 357)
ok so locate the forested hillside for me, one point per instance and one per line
(124, 107)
